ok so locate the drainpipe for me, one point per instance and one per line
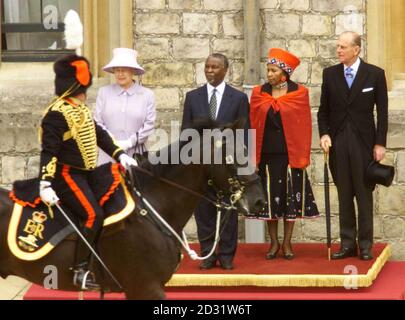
(254, 229)
(251, 13)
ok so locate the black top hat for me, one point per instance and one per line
(377, 173)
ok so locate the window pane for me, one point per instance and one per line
(35, 41)
(18, 11)
(48, 13)
(62, 6)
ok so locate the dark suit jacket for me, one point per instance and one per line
(234, 106)
(340, 104)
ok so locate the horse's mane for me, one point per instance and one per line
(160, 170)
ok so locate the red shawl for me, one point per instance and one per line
(295, 115)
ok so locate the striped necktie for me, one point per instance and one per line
(213, 105)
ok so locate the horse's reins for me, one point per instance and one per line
(183, 241)
(222, 205)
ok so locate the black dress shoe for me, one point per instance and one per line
(226, 265)
(366, 255)
(344, 253)
(208, 264)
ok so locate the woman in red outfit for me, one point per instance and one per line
(280, 113)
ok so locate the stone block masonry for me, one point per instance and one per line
(173, 38)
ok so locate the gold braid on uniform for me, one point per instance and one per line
(57, 101)
(50, 169)
(82, 129)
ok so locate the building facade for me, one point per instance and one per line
(174, 37)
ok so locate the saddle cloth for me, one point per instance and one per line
(35, 229)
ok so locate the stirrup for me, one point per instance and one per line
(85, 280)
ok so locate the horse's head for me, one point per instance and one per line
(231, 171)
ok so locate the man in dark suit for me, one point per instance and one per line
(346, 126)
(220, 102)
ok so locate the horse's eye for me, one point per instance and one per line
(229, 160)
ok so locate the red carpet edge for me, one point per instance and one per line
(283, 280)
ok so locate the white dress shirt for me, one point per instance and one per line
(219, 94)
(355, 67)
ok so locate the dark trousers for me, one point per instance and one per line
(73, 188)
(206, 217)
(350, 158)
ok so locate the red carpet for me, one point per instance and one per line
(311, 260)
(310, 268)
(390, 285)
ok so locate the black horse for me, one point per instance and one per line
(139, 254)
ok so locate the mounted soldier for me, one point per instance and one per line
(69, 140)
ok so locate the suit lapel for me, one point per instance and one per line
(203, 99)
(341, 83)
(358, 81)
(225, 102)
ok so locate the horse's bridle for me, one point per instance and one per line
(236, 188)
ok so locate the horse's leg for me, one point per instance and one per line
(149, 292)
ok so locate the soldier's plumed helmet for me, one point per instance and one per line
(72, 75)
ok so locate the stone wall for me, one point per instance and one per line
(22, 103)
(173, 38)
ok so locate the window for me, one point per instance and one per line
(33, 30)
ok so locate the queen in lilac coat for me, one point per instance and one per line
(126, 109)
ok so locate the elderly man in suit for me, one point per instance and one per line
(217, 101)
(350, 90)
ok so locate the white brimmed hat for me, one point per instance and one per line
(124, 57)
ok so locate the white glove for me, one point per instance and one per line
(125, 144)
(127, 161)
(47, 194)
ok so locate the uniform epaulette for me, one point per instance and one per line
(55, 105)
(60, 106)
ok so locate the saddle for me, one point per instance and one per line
(35, 228)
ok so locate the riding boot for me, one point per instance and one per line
(82, 277)
(286, 247)
(275, 245)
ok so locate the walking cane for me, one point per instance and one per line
(88, 245)
(327, 204)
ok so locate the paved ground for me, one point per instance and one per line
(13, 288)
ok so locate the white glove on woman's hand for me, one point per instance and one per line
(47, 194)
(125, 144)
(127, 161)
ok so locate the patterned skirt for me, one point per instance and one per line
(288, 191)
